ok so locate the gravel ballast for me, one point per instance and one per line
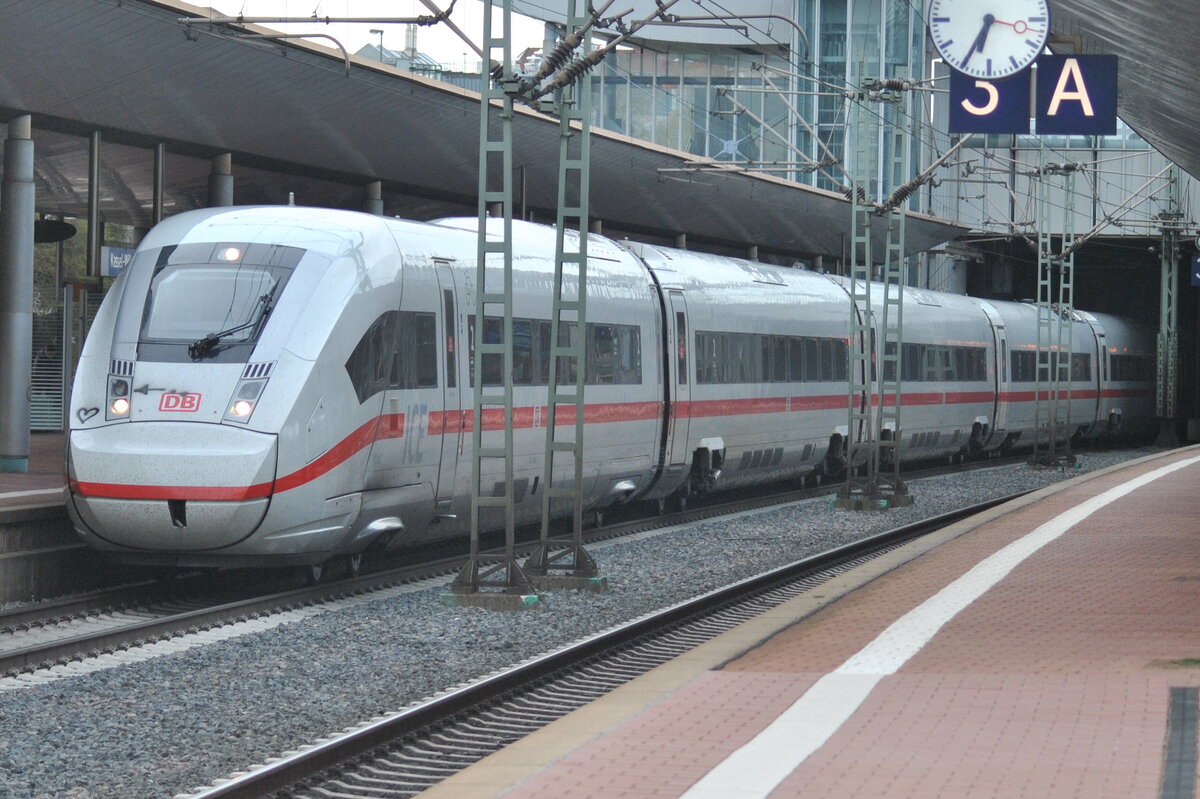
(169, 725)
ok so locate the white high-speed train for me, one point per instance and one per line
(282, 385)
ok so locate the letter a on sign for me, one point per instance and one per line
(1077, 95)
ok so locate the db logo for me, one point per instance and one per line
(182, 403)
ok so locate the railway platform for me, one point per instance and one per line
(1047, 648)
(43, 482)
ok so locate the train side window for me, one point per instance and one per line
(795, 346)
(910, 363)
(1081, 366)
(978, 364)
(841, 359)
(812, 359)
(1024, 366)
(601, 343)
(425, 339)
(627, 366)
(370, 363)
(413, 356)
(681, 340)
(614, 354)
(450, 321)
(1132, 367)
(522, 352)
(745, 365)
(889, 367)
(541, 351)
(706, 357)
(828, 359)
(775, 358)
(568, 336)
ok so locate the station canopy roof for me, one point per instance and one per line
(304, 120)
(301, 119)
(1157, 43)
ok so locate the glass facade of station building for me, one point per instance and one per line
(795, 101)
(780, 109)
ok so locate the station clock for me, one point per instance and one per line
(989, 39)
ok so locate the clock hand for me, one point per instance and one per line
(1021, 27)
(981, 39)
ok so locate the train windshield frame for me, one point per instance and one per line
(210, 302)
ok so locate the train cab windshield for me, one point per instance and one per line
(211, 301)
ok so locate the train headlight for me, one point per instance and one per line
(118, 398)
(245, 399)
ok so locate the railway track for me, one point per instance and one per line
(121, 622)
(404, 753)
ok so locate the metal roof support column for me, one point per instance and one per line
(1066, 318)
(862, 450)
(494, 581)
(1055, 323)
(16, 294)
(889, 488)
(95, 226)
(220, 181)
(1167, 369)
(565, 563)
(862, 445)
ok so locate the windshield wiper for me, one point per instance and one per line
(204, 346)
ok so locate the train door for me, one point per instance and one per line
(452, 412)
(1000, 336)
(1099, 378)
(681, 394)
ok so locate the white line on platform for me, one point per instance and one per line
(38, 492)
(754, 770)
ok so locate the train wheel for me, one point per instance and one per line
(354, 563)
(314, 573)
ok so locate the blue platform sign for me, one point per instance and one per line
(989, 106)
(1077, 95)
(113, 260)
(1196, 270)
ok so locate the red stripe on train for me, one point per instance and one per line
(460, 422)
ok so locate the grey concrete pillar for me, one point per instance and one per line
(373, 204)
(681, 241)
(160, 167)
(95, 237)
(16, 294)
(752, 252)
(596, 226)
(220, 181)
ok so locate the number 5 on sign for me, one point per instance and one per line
(982, 106)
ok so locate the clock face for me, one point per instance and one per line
(989, 38)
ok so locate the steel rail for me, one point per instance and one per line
(286, 772)
(81, 646)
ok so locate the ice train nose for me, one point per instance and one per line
(171, 485)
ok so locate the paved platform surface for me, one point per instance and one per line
(1047, 649)
(44, 481)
